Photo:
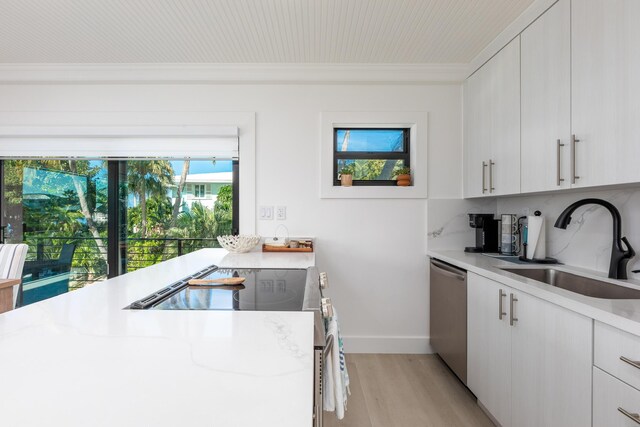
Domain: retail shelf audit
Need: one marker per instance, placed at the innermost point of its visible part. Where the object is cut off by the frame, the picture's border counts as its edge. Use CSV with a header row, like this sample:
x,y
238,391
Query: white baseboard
x,y
389,345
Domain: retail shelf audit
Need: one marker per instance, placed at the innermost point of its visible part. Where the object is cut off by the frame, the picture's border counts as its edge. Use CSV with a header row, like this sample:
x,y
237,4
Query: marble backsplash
x,y
448,223
585,243
587,240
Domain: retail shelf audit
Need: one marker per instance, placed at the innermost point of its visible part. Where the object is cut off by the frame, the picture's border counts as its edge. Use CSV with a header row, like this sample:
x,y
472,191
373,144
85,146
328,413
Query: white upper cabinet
x,y
492,125
559,106
605,75
504,167
476,133
546,101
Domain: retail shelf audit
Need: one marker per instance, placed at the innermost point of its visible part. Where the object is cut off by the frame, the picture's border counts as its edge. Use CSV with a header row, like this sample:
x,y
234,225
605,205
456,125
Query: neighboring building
x,y
201,187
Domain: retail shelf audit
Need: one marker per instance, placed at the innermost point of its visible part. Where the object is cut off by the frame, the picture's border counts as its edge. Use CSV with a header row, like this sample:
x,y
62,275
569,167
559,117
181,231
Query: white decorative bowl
x,y
238,244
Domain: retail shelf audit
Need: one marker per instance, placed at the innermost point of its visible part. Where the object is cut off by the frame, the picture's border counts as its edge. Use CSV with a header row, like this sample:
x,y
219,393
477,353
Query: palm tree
x,y
223,210
148,178
86,212
197,222
178,201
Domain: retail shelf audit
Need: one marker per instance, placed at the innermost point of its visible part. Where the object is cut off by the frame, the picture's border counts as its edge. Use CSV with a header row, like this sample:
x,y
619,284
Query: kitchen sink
x,y
578,284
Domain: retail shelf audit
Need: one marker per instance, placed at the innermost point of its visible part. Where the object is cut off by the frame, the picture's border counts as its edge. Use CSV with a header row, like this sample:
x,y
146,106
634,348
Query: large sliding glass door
x,y
175,207
85,220
59,209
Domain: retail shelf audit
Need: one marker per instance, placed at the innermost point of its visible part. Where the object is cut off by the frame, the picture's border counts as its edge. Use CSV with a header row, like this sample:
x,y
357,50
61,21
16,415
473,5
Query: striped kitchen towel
x,y
336,376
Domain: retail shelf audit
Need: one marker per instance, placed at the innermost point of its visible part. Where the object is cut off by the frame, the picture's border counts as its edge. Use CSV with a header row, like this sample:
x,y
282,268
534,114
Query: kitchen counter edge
x,y
621,314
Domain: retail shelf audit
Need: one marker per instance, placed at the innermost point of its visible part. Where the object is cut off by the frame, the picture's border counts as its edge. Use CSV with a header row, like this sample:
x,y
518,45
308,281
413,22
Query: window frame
x,y
404,155
196,193
117,210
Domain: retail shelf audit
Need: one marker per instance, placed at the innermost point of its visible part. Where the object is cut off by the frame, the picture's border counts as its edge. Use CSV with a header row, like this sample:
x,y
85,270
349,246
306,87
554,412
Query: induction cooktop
x,y
263,290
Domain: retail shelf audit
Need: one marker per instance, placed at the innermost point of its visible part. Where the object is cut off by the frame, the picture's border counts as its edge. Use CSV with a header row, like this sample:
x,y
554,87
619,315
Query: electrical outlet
x,y
265,213
281,213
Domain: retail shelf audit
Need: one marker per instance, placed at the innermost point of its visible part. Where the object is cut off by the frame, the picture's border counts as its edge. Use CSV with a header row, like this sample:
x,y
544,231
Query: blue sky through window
x,y
202,166
377,140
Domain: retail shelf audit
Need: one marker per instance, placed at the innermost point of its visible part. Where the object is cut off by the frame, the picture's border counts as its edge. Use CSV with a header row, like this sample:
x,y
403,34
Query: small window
x,y
198,190
375,154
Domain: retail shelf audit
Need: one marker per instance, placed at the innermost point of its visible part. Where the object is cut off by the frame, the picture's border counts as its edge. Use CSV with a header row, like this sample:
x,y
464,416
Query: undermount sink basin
x,y
578,284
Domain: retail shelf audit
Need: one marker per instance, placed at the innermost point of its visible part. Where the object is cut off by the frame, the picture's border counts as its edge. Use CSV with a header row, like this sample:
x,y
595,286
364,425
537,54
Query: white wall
x,y
373,250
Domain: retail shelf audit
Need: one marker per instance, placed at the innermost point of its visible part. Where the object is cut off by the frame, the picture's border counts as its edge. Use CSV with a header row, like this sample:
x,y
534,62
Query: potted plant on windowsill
x,y
346,175
403,176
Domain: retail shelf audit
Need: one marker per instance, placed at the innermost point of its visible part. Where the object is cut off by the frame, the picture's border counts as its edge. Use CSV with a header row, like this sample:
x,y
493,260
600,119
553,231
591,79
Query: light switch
x,y
265,213
281,213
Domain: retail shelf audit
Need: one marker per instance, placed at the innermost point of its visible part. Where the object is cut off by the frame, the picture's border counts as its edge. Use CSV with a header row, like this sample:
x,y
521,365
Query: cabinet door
x,y
504,173
605,95
546,96
551,350
609,394
476,134
489,346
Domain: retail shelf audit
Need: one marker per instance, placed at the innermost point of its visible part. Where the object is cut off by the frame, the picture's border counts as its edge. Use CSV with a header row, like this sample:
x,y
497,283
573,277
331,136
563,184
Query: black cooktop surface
x,y
263,290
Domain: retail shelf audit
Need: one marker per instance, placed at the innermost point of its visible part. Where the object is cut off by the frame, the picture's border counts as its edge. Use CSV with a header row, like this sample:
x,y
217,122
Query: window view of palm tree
x,y
372,154
60,209
175,207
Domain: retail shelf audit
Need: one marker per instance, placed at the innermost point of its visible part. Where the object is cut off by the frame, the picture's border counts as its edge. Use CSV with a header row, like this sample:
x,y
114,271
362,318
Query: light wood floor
x,y
406,390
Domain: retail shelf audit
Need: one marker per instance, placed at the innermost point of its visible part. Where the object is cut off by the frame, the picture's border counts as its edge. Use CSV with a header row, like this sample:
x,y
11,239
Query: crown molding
x,y
232,73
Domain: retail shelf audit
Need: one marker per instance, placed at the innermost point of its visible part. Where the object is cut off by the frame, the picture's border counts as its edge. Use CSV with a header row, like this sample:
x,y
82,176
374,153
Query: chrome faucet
x,y
619,256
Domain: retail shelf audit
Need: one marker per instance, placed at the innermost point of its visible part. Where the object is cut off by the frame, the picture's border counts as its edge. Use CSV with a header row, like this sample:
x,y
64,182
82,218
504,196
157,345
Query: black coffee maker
x,y
486,233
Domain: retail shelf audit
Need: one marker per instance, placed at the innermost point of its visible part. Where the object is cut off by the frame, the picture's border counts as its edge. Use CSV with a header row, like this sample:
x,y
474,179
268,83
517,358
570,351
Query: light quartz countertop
x,y
622,314
80,359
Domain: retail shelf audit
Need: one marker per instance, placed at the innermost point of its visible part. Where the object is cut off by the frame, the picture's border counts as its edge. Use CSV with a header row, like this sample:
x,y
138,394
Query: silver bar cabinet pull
x,y
630,415
634,363
559,179
484,168
500,308
491,164
573,159
512,318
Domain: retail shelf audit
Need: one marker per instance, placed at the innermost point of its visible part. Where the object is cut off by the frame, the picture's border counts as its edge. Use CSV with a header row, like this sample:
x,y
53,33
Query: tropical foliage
x,y
370,169
348,169
148,179
49,203
402,171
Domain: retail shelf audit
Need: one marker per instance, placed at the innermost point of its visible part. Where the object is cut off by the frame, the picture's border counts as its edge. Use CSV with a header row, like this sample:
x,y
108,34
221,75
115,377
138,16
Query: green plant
x,y
402,171
348,169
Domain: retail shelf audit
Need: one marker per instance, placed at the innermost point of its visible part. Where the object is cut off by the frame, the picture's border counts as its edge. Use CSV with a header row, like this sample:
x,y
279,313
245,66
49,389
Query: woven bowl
x,y
238,244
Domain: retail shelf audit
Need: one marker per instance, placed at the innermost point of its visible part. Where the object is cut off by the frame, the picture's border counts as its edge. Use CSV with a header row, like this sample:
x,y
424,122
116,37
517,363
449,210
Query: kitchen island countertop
x,y
80,359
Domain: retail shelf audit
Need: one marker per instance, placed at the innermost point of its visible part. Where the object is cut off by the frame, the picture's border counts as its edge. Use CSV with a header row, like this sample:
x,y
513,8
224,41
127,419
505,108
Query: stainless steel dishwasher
x,y
448,315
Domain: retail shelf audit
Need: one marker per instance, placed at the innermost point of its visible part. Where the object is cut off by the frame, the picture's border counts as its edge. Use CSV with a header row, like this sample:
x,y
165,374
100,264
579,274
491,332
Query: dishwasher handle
x,y
447,270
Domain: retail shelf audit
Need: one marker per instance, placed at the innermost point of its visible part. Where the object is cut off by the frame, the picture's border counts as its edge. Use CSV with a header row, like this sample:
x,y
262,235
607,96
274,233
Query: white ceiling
x,y
250,31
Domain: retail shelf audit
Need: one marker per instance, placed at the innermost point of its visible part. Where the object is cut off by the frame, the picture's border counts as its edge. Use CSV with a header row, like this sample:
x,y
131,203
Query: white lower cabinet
x,y
529,361
618,353
489,346
615,404
616,377
551,365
